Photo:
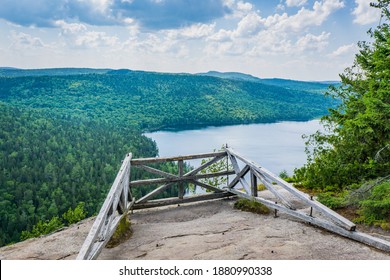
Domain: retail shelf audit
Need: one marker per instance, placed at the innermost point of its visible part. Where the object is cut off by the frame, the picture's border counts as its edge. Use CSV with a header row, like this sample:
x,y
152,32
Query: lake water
x,y
275,146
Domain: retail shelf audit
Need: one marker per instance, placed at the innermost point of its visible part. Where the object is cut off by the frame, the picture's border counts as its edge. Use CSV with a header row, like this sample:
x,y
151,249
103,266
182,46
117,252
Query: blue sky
x,y
295,39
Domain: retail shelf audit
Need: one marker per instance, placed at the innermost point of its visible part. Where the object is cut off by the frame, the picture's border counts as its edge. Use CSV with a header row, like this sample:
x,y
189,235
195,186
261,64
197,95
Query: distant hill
x,y
285,83
231,75
15,72
152,101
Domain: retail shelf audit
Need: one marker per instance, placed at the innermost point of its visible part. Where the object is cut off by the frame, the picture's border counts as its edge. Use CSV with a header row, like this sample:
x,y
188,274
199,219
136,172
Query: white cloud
x,y
239,8
280,7
250,25
70,28
313,42
25,41
364,14
305,17
244,7
195,31
344,50
292,3
276,34
94,39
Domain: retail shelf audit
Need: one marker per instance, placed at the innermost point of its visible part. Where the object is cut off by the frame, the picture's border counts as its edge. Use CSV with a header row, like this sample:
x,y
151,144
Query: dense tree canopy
x,y
153,101
356,145
64,132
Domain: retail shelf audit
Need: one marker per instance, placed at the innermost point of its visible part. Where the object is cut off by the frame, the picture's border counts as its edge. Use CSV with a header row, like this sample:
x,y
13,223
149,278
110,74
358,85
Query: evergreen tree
x,y
356,144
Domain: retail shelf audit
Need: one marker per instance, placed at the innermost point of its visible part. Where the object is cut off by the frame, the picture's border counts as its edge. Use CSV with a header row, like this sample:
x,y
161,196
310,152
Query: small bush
x,y
332,200
283,174
42,228
45,227
375,209
73,216
251,206
261,187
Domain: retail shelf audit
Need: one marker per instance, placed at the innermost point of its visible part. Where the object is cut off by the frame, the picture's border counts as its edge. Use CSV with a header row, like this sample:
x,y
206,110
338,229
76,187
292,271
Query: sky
x,y
293,39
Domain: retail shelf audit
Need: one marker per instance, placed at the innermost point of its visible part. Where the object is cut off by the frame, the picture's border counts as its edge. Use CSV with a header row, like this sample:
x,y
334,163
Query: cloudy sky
x,y
296,39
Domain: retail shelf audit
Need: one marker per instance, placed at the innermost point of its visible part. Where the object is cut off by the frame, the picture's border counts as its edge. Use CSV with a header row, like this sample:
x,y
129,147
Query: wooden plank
x,y
178,179
304,197
237,170
181,185
236,179
205,165
153,193
271,188
166,159
190,199
355,235
207,186
101,217
156,171
253,184
99,245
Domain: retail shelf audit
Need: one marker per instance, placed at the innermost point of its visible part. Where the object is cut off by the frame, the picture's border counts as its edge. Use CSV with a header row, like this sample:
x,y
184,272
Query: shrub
x,y
332,200
75,215
375,209
251,206
42,228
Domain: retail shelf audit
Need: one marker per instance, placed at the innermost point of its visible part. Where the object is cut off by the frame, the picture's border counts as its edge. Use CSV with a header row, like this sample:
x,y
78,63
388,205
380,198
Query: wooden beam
x,y
96,229
355,235
181,185
271,188
172,201
156,171
253,184
207,186
99,245
142,161
337,218
153,193
178,179
237,170
238,177
206,164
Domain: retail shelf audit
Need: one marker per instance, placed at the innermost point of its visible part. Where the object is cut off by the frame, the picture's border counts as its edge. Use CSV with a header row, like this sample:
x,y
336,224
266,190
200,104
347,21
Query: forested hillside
x,y
318,87
153,101
48,165
64,132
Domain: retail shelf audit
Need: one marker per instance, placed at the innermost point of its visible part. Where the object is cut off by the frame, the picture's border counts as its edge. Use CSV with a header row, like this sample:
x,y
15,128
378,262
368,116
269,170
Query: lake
x,y
275,146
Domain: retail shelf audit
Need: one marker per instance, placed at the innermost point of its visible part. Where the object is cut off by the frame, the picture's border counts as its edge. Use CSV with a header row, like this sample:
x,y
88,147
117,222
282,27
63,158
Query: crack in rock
x,y
196,234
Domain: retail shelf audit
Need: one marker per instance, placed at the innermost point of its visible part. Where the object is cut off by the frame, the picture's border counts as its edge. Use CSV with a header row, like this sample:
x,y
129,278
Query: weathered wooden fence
x,y
238,169
119,200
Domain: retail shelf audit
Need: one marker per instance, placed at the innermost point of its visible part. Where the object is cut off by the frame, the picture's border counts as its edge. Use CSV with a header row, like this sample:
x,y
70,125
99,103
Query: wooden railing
x,y
328,219
119,200
238,169
168,180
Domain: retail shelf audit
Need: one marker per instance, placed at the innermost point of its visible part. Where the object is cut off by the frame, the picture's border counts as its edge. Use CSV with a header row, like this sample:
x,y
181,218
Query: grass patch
x,y
261,187
251,206
122,233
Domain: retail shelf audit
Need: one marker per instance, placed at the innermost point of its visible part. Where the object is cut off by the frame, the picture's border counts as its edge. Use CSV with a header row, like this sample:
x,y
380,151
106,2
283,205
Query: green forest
x,y
349,164
154,101
64,132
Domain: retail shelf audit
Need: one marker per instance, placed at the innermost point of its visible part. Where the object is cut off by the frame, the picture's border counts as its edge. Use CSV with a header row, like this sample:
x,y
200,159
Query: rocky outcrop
x,y
207,230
